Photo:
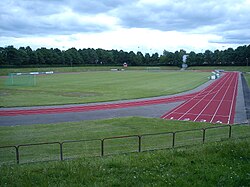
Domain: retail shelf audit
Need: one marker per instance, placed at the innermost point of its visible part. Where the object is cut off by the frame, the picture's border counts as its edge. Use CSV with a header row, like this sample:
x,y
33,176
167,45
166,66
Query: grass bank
x,y
11,135
100,129
215,164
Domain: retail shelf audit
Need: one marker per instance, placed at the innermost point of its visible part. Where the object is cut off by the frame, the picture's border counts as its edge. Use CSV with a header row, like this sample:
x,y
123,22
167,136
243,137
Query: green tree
x,y
3,60
208,56
140,58
132,58
147,59
229,56
155,59
75,57
12,56
23,56
191,59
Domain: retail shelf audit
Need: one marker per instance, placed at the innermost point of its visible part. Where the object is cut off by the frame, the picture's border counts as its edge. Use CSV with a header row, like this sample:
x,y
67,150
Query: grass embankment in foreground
x,y
215,164
100,129
12,135
88,87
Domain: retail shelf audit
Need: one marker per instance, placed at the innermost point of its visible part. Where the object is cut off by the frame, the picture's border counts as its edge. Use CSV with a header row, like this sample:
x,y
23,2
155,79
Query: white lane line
x,y
199,94
234,97
202,100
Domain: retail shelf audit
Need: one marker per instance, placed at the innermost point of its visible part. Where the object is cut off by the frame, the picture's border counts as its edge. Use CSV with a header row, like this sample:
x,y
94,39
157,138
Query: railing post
x,y
173,140
17,154
204,136
230,131
102,147
61,151
139,142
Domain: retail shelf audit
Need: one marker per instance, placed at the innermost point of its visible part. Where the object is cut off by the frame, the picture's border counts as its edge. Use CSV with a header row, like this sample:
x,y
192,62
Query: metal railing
x,y
119,144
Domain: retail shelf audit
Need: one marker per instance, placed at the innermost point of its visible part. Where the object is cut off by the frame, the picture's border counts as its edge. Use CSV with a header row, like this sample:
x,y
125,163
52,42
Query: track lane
x,y
226,95
95,106
190,104
216,104
213,104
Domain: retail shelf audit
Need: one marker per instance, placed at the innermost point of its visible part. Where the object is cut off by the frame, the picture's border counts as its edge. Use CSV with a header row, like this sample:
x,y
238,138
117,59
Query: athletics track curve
x,y
215,104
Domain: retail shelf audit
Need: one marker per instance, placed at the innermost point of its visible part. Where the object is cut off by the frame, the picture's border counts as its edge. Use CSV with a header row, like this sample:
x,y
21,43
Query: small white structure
x,y
213,77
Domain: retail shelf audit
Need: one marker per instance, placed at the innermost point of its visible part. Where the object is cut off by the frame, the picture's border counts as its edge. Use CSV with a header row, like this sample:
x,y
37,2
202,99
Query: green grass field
x,y
97,86
6,71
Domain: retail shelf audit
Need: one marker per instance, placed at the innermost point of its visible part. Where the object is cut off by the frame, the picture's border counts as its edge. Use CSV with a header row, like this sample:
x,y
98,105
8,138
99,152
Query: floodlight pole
x,y
247,61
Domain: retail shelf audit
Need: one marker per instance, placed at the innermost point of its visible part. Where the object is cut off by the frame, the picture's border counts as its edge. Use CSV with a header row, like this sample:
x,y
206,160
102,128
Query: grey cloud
x,y
226,18
96,6
229,19
43,17
234,37
181,16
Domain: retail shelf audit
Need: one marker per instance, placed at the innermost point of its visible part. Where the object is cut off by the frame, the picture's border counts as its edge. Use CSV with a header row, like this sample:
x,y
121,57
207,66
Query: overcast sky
x,y
138,25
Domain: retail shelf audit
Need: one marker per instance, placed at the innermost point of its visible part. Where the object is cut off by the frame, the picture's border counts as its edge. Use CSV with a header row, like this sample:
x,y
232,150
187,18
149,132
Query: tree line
x,y
25,56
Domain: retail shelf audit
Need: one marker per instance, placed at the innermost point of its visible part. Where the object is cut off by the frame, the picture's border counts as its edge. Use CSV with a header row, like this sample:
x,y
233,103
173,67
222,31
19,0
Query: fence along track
x,y
70,149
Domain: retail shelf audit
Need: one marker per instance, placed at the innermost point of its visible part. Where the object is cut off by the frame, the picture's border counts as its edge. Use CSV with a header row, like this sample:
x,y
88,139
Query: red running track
x,y
214,104
92,107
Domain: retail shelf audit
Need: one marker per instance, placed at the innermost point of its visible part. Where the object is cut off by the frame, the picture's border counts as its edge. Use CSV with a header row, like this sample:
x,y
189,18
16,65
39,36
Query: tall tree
x,y
208,56
3,60
191,59
155,59
12,56
140,58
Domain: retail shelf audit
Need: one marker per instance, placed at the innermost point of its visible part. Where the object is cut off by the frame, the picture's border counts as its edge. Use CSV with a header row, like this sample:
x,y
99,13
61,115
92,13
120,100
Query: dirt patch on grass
x,y
80,94
3,93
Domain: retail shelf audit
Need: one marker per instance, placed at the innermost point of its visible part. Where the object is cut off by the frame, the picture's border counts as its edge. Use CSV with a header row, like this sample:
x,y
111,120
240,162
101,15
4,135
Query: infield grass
x,y
6,71
86,87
